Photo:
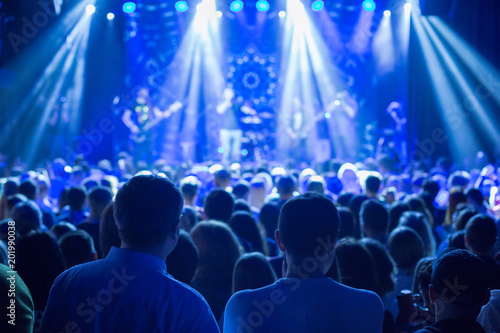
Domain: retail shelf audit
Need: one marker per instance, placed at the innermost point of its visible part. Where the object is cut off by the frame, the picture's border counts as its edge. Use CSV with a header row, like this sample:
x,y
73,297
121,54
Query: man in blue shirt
x,y
305,300
130,290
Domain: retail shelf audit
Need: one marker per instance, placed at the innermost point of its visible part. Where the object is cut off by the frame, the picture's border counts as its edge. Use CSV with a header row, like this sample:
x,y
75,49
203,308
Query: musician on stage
x,y
230,132
142,119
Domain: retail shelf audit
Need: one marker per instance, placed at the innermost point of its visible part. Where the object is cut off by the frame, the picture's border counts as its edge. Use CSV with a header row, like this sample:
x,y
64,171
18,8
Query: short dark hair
x,y
28,188
306,219
463,217
241,189
268,217
147,210
77,247
100,196
473,194
465,269
189,187
374,216
406,248
372,183
252,271
242,205
108,232
27,216
481,232
76,198
286,184
60,229
346,223
219,205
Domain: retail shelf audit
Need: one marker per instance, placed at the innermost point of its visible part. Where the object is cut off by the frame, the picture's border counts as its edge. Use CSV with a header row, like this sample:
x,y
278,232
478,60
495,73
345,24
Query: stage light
x,y
407,7
90,9
181,6
369,5
318,5
128,7
262,5
244,152
236,6
387,13
220,150
328,115
110,16
282,14
219,14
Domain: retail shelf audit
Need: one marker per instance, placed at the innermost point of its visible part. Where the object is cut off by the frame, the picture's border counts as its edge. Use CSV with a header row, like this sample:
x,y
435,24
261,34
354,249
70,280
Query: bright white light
x,y
219,14
387,13
282,14
407,7
198,7
110,16
90,9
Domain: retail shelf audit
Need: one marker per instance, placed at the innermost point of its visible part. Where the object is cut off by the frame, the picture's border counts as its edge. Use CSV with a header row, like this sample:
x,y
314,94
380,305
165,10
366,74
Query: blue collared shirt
x,y
128,291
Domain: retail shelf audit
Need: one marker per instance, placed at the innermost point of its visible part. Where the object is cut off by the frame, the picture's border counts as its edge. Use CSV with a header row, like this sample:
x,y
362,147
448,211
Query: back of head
x,y
39,261
316,184
384,266
183,260
10,187
28,189
374,218
252,271
346,223
189,218
422,279
108,232
306,222
219,205
242,205
218,250
465,271
418,222
147,211
372,184
77,247
406,248
27,216
241,190
222,178
397,209
286,185
11,201
268,217
60,229
431,187
76,198
481,234
99,198
189,187
463,217
244,226
475,196
355,265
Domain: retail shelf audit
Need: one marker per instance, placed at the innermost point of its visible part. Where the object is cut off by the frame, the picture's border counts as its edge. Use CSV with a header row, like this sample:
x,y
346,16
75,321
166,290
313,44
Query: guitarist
x,y
141,119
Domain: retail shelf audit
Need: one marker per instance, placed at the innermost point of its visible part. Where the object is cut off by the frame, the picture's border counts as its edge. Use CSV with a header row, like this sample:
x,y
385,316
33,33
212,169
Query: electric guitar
x,y
142,135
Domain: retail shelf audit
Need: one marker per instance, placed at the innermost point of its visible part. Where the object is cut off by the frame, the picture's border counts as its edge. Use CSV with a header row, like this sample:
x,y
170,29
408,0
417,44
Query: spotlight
x,y
220,150
318,5
128,7
262,5
219,14
236,6
90,9
181,6
407,7
282,13
387,13
110,16
369,5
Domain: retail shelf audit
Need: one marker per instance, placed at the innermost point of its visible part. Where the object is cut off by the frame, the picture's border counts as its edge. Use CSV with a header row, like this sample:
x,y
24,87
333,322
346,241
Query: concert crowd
x,y
357,247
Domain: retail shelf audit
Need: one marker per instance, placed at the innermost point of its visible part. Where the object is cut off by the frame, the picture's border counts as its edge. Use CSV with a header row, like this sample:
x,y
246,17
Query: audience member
x,y
219,205
244,226
418,222
307,230
374,219
75,211
108,232
183,260
77,247
252,271
141,295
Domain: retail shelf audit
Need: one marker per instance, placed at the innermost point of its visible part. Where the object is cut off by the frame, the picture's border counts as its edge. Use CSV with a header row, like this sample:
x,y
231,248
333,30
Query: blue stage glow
x,y
262,5
181,6
128,7
369,5
318,5
236,6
